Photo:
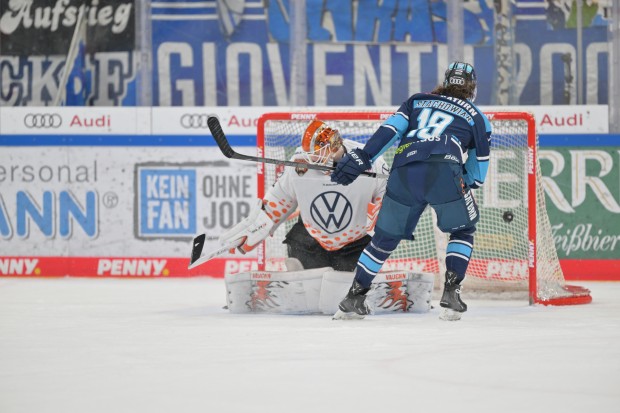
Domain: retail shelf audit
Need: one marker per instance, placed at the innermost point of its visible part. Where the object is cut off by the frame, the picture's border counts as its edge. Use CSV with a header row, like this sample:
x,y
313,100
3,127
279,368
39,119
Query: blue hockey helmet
x,y
461,74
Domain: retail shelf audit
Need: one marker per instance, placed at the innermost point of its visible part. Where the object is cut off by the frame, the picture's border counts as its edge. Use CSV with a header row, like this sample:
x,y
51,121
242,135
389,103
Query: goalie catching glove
x,y
351,166
247,234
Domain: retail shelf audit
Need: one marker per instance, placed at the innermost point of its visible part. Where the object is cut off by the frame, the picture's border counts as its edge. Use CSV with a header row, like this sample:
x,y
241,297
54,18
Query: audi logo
x,y
42,120
457,81
194,121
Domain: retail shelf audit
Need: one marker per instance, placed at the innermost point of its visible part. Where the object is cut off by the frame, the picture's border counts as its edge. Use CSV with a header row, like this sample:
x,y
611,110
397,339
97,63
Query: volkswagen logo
x,y
42,120
331,211
194,121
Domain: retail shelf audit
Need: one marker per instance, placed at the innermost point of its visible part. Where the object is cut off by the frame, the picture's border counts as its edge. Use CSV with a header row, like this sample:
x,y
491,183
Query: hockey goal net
x,y
514,251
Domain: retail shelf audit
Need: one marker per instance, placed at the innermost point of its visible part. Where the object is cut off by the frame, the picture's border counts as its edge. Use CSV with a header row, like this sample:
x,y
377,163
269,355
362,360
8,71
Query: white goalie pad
x,y
275,292
390,292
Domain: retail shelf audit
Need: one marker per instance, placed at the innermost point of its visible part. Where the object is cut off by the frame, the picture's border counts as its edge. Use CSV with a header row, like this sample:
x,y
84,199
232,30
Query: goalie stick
x,y
222,142
199,258
198,243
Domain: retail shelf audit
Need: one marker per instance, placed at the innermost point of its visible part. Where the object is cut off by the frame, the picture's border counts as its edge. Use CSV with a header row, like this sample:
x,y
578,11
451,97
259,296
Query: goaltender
x,y
334,220
335,225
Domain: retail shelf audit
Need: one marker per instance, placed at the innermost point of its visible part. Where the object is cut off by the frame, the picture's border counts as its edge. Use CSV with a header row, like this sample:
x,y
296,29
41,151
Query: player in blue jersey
x,y
435,132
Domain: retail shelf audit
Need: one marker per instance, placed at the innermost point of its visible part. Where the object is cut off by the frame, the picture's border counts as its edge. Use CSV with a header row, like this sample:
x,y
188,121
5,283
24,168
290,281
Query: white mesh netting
x,y
500,265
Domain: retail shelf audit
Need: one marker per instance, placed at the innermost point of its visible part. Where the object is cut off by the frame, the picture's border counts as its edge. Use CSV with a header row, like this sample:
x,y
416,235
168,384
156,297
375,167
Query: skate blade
x,y
448,314
341,315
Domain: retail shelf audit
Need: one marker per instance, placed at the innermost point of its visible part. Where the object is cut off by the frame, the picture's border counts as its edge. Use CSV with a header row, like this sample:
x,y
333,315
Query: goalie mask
x,y
320,142
462,74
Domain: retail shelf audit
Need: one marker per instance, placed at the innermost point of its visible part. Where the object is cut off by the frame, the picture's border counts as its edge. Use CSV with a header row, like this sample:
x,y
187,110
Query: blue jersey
x,y
428,124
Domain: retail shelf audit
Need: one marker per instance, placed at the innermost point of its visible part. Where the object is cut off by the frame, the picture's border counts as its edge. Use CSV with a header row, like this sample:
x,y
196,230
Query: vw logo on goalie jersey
x,y
332,211
194,121
42,120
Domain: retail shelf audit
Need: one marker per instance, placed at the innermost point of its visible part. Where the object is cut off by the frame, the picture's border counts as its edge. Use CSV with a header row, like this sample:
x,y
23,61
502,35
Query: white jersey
x,y
334,215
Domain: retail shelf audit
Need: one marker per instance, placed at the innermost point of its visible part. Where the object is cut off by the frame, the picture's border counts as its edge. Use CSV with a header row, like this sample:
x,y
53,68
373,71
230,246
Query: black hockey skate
x,y
453,306
353,306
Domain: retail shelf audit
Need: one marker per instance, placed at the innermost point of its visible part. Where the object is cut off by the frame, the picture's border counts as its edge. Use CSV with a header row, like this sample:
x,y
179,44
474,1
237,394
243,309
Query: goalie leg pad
x,y
420,289
390,292
275,292
335,286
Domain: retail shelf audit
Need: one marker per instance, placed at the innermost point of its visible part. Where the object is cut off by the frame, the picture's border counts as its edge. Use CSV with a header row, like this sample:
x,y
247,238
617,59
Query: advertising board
x,y
121,192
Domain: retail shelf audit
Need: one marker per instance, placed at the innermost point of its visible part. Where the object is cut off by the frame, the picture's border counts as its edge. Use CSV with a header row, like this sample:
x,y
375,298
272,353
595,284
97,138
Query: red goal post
x,y
514,252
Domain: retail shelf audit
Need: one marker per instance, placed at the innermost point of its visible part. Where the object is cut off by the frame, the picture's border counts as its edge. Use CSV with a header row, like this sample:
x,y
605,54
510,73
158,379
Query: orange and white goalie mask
x,y
320,143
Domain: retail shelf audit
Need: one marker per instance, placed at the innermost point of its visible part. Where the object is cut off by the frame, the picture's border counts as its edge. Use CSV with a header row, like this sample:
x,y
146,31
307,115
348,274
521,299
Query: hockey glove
x,y
468,180
351,166
247,234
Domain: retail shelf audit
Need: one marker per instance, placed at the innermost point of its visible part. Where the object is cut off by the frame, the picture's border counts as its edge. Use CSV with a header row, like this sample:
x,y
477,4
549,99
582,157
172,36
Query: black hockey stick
x,y
222,142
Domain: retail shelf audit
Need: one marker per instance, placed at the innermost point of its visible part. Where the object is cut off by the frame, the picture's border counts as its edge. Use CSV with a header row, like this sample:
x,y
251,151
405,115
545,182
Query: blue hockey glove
x,y
351,166
469,181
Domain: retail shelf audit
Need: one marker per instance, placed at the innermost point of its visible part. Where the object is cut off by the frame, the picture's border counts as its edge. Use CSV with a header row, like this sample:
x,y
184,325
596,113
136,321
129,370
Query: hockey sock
x,y
458,253
372,258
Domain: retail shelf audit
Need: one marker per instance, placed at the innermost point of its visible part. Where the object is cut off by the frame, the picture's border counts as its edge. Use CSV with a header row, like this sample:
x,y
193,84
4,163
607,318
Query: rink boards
x,y
121,192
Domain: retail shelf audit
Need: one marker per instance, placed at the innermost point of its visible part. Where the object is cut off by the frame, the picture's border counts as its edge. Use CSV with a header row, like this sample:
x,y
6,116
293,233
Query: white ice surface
x,y
167,345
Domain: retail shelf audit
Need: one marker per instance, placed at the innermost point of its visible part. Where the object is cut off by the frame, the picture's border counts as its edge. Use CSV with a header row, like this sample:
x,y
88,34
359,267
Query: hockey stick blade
x,y
222,142
198,258
197,246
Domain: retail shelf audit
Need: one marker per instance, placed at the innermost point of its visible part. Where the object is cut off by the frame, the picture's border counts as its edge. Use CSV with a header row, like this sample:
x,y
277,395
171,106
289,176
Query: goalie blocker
x,y
318,291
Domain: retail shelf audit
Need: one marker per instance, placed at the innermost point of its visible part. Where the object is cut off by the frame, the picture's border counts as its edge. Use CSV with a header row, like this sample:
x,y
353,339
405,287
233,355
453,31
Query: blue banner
x,y
237,53
208,53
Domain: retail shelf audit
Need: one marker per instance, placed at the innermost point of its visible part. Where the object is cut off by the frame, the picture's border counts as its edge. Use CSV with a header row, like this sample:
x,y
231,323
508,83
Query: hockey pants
x,y
410,189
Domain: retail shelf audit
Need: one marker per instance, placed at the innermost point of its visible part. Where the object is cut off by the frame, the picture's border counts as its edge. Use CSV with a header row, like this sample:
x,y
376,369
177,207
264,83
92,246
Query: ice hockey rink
x,y
168,345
